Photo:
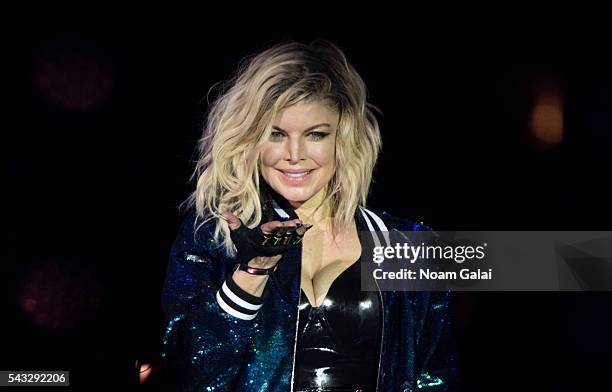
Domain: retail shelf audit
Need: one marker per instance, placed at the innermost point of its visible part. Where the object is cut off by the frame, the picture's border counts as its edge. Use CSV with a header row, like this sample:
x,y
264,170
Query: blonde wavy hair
x,y
240,121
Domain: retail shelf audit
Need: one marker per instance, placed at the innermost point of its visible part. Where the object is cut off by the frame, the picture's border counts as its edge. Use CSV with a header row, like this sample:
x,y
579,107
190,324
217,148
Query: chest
x,y
324,258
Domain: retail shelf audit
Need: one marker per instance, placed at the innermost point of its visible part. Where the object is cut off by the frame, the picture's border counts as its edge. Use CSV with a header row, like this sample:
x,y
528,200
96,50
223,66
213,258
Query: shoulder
x,y
196,233
396,223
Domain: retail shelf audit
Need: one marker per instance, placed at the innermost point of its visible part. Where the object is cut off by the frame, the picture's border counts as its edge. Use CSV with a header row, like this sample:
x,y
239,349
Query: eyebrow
x,y
306,130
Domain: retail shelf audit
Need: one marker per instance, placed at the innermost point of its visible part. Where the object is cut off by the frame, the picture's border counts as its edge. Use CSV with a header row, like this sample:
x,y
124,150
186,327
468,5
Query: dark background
x,y
102,124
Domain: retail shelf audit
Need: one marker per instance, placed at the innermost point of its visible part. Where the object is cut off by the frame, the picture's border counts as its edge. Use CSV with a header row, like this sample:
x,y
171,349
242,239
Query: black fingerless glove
x,y
251,243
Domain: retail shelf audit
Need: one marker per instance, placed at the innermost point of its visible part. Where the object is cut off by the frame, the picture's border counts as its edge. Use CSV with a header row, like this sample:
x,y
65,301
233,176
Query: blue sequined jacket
x,y
217,340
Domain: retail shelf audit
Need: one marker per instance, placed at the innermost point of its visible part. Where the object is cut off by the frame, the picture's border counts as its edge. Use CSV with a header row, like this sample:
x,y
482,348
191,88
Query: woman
x,y
263,286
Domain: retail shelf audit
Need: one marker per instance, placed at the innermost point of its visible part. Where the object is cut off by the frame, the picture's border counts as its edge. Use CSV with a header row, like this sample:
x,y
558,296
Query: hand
x,y
263,246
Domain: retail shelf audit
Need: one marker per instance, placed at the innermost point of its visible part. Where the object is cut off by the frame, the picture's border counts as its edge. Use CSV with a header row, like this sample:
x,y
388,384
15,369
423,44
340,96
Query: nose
x,y
295,150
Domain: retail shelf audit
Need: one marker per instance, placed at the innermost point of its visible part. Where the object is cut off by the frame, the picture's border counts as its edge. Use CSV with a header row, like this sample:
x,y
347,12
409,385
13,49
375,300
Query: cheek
x,y
270,155
323,154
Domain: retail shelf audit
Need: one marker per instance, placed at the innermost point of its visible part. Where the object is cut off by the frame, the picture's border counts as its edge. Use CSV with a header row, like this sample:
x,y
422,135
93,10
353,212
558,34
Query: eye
x,y
276,135
316,135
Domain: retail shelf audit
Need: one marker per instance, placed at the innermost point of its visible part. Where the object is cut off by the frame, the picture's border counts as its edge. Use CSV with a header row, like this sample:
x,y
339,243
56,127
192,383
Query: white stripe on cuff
x,y
233,311
237,300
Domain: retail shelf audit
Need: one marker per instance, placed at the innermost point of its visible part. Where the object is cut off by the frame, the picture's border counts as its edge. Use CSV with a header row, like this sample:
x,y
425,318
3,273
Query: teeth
x,y
297,174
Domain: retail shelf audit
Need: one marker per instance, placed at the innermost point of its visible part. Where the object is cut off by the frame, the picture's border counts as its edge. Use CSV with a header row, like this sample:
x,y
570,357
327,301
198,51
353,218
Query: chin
x,y
294,195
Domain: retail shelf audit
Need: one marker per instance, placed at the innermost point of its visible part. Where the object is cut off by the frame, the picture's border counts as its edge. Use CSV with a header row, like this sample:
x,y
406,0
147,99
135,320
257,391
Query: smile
x,y
295,177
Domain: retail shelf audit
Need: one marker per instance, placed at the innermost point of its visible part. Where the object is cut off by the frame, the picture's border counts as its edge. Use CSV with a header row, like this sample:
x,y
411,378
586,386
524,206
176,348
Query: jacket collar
x,y
287,277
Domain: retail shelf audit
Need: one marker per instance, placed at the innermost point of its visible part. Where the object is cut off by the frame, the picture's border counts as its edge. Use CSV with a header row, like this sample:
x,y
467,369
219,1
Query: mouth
x,y
295,177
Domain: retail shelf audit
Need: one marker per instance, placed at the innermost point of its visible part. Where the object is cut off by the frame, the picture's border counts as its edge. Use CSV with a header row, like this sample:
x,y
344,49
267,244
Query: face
x,y
299,158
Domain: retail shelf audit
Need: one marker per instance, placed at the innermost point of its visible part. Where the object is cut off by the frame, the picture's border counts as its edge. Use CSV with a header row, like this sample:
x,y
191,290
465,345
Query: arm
x,y
436,365
208,318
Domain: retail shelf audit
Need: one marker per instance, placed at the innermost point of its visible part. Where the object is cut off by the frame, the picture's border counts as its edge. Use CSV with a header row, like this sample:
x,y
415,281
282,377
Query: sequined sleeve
x,y
436,360
203,344
436,357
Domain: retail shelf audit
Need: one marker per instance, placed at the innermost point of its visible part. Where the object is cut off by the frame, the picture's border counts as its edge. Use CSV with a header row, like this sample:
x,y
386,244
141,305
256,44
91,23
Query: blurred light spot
x,y
57,296
73,74
144,370
547,114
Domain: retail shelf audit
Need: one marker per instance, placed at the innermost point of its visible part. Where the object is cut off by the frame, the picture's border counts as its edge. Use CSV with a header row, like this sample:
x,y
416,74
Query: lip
x,y
294,170
295,180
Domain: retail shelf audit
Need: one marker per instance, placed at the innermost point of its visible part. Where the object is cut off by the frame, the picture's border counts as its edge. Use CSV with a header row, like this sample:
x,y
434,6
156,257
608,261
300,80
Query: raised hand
x,y
263,246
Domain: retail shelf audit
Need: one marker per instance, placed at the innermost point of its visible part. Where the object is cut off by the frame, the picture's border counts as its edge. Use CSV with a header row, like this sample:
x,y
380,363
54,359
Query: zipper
x,y
297,324
382,333
372,231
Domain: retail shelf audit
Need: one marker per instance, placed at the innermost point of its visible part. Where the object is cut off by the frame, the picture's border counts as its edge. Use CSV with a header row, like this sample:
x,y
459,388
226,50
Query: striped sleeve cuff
x,y
237,302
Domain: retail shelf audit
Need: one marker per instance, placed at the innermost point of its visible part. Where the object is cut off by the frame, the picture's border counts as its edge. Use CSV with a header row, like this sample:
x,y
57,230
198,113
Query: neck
x,y
311,211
